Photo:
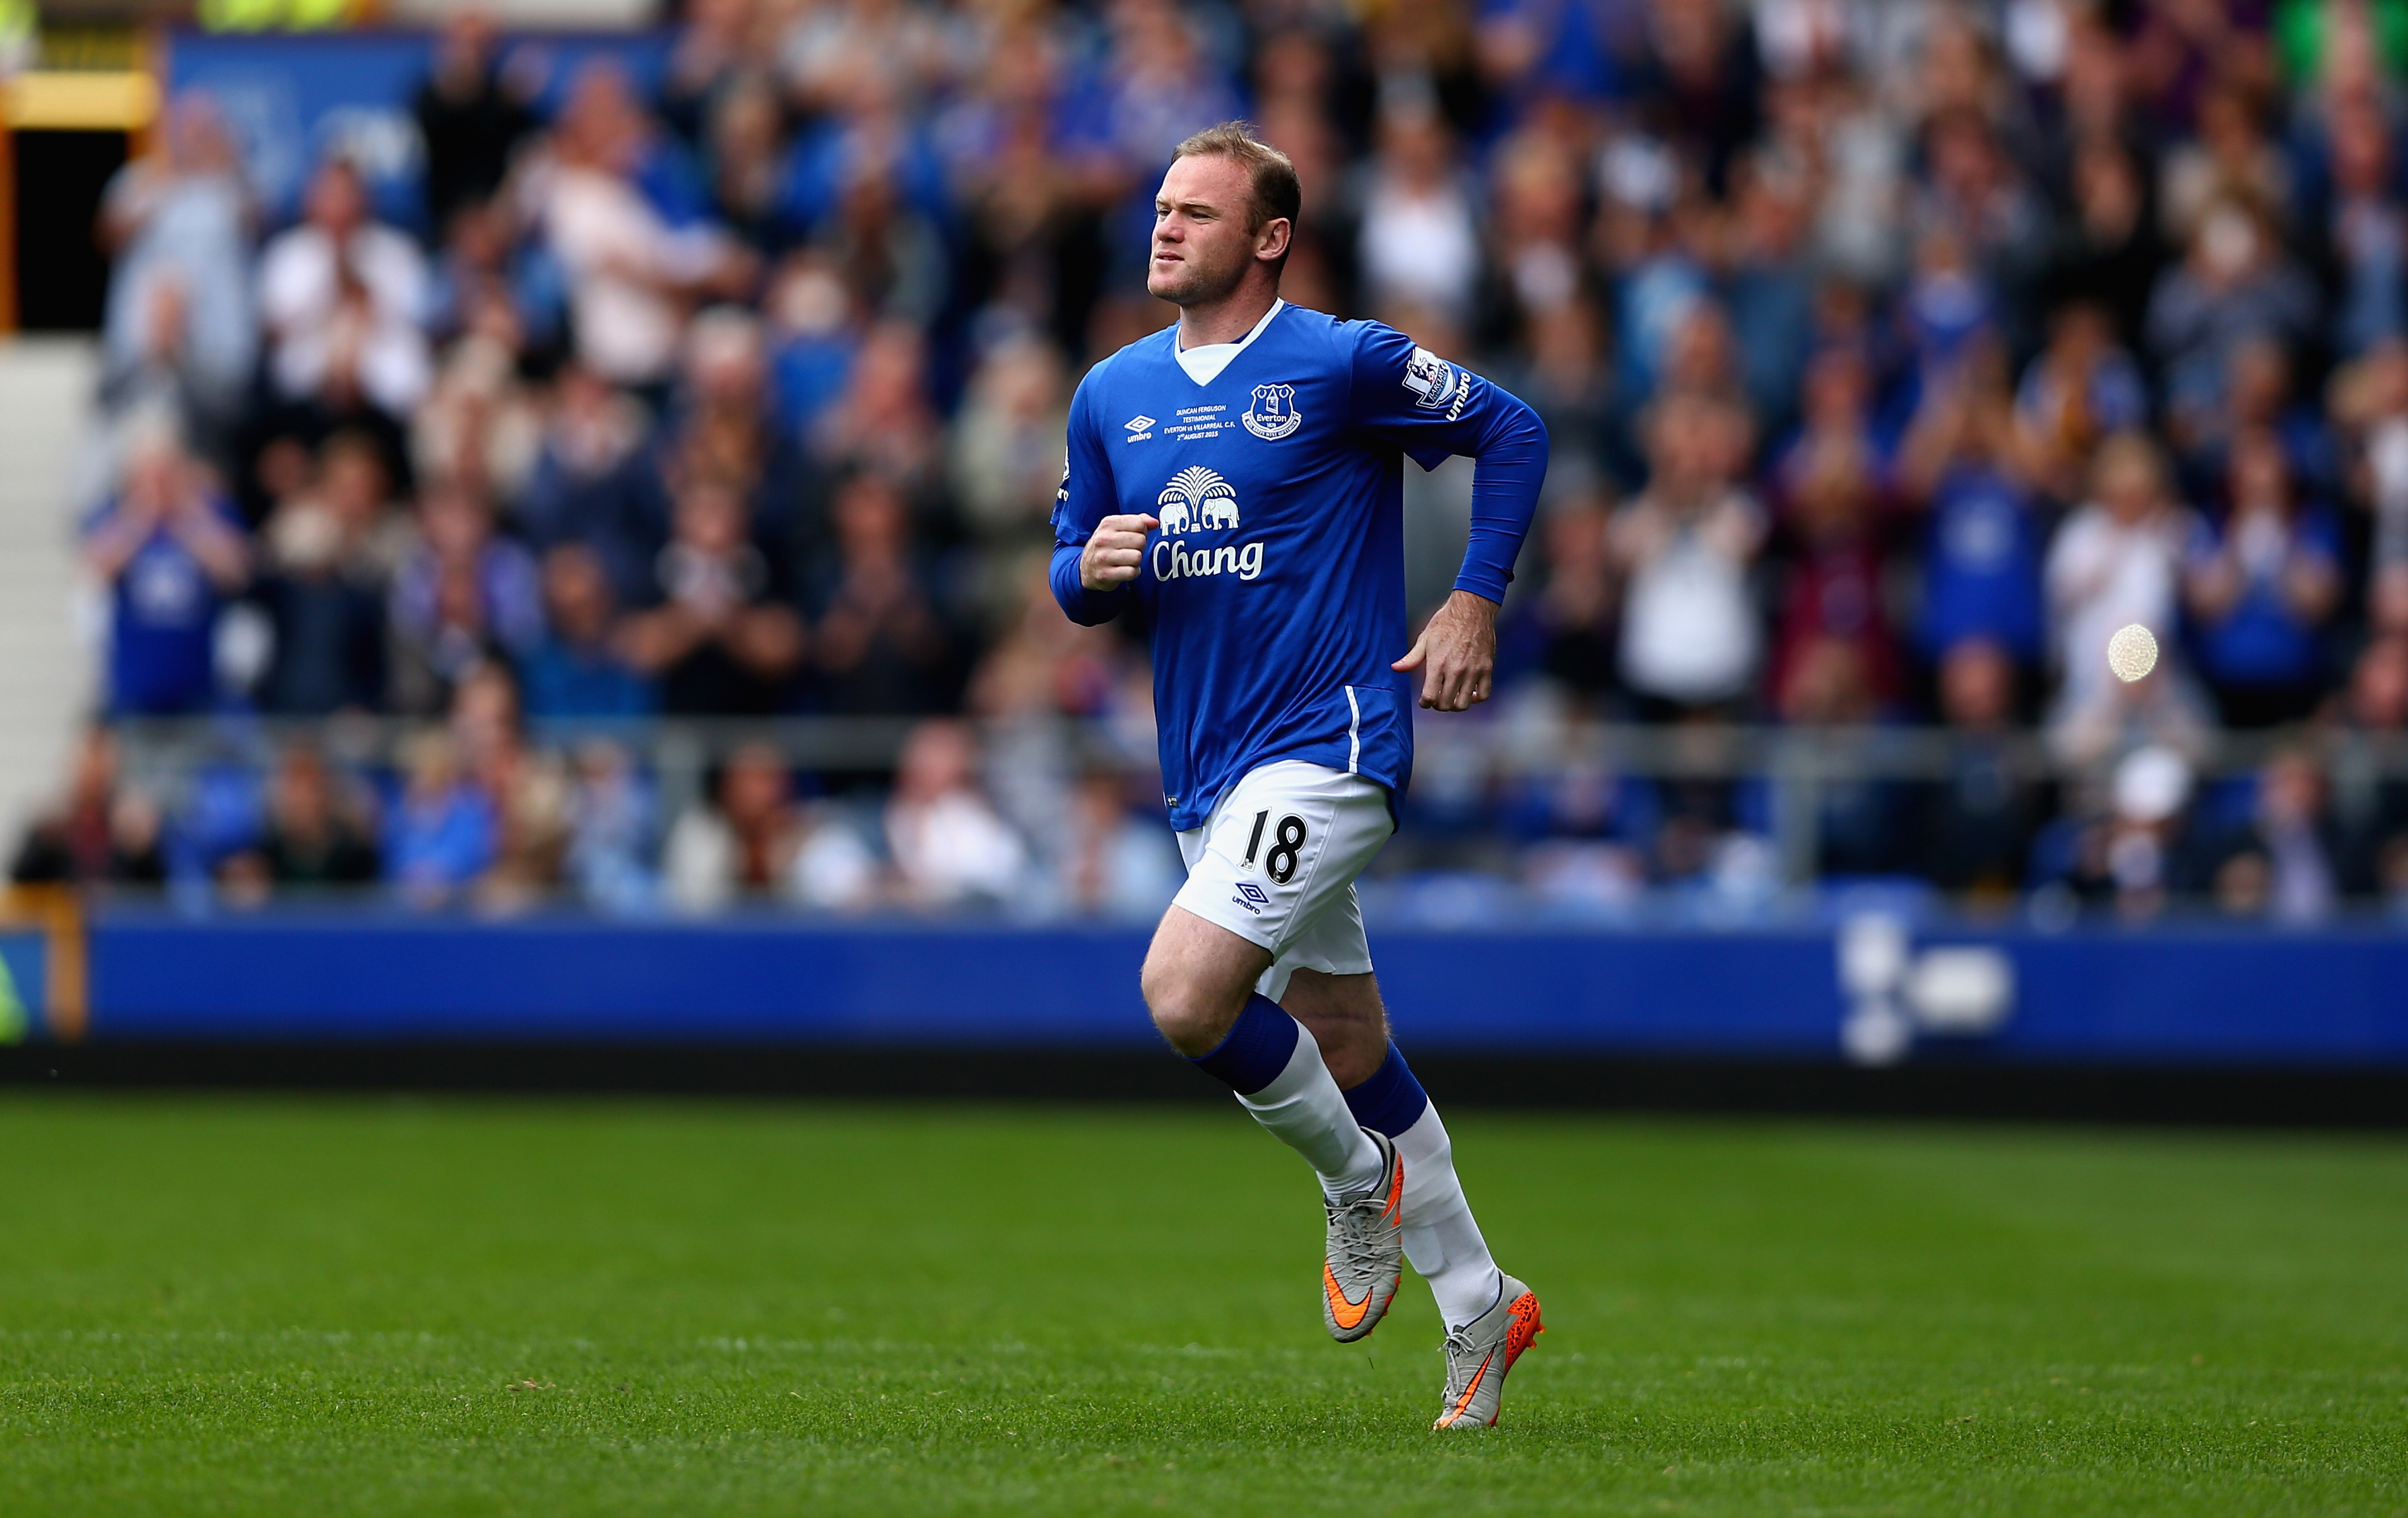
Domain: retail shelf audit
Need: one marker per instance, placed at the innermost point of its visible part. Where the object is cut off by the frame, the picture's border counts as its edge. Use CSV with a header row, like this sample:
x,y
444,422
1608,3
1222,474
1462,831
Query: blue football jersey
x,y
1274,588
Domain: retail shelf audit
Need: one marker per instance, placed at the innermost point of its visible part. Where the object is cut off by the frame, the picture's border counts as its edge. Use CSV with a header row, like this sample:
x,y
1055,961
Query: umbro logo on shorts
x,y
1251,897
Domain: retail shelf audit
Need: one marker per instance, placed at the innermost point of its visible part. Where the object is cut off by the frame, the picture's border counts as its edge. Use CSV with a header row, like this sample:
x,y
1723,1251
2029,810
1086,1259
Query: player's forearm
x,y
1080,605
1511,465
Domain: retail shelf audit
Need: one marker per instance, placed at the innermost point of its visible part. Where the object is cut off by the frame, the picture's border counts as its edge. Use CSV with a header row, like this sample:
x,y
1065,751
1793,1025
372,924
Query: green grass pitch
x,y
229,1306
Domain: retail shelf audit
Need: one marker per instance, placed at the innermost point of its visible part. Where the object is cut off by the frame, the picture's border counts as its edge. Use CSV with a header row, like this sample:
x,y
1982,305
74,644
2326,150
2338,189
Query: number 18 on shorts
x,y
1276,866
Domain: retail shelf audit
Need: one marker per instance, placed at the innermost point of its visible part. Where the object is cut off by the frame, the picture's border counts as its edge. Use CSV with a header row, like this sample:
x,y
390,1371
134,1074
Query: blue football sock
x,y
1257,1049
1391,1101
1277,1072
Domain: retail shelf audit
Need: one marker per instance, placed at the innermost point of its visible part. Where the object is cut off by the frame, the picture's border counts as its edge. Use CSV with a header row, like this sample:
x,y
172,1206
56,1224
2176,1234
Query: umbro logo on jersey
x,y
1139,427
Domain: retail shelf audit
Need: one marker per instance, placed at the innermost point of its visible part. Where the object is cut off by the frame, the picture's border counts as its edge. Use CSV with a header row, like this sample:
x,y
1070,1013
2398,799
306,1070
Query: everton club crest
x,y
1271,414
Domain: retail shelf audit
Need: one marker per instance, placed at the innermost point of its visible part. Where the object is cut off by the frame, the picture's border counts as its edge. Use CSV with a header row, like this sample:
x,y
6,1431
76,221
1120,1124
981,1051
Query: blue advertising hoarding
x,y
2165,997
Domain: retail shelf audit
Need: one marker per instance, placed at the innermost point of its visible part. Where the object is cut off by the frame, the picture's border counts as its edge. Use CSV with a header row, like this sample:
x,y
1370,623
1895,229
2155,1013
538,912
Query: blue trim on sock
x,y
1392,1100
1258,1049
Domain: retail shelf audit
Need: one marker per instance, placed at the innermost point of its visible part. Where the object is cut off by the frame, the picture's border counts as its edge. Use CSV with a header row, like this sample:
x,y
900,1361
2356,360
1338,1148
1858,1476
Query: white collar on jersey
x,y
1204,365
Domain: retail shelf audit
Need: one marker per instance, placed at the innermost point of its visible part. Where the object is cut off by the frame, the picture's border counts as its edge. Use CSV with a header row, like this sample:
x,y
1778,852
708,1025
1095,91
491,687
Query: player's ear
x,y
1272,241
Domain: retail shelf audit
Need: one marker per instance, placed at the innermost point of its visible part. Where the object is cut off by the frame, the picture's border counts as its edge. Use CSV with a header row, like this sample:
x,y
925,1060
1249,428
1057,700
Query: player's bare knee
x,y
1187,1016
1190,1026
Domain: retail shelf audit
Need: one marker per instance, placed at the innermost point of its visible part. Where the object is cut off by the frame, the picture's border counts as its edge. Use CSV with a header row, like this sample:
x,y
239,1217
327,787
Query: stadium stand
x,y
610,471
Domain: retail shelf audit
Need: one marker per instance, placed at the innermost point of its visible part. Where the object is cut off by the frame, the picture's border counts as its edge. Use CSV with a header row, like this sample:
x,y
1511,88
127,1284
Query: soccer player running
x,y
1237,483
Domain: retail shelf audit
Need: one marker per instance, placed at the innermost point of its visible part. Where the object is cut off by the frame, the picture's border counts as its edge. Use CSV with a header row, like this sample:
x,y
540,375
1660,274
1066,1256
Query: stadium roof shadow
x,y
1927,1089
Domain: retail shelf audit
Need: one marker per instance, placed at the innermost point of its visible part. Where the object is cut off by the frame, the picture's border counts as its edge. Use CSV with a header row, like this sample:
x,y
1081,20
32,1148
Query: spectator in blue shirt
x,y
1159,84
467,596
2238,283
1771,284
2259,588
443,833
578,670
1537,49
814,335
584,483
171,551
2365,232
1981,556
870,138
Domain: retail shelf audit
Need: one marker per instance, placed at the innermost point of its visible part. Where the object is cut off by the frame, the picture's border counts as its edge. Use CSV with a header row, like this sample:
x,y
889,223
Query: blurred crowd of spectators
x,y
1895,355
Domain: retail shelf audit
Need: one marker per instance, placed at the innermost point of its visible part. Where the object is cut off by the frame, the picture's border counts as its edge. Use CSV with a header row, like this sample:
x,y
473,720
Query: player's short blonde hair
x,y
1278,192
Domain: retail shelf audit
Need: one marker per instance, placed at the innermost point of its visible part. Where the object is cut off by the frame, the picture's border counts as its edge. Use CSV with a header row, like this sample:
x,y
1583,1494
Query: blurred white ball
x,y
2132,652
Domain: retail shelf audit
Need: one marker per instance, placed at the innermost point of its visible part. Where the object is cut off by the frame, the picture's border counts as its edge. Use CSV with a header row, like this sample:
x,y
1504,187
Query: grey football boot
x,y
1365,1255
1479,1354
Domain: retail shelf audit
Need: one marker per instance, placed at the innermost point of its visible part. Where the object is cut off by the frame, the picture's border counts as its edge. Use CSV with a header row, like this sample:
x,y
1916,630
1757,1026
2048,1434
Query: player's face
x,y
1203,241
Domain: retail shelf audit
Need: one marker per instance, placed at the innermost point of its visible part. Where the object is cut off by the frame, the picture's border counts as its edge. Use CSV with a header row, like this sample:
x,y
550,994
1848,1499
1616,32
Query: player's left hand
x,y
1456,654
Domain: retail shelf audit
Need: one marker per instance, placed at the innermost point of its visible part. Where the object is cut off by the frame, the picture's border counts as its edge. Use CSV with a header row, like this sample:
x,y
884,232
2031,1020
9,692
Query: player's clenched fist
x,y
1112,556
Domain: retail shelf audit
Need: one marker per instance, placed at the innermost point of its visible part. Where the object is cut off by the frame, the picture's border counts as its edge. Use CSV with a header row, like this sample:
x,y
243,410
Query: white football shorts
x,y
1276,865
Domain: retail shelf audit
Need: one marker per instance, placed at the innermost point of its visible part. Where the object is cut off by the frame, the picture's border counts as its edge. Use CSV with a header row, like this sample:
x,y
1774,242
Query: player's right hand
x,y
1112,556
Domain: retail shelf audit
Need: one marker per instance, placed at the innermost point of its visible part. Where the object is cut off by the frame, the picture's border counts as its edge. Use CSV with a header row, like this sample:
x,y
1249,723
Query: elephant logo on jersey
x,y
1272,415
1196,498
1434,382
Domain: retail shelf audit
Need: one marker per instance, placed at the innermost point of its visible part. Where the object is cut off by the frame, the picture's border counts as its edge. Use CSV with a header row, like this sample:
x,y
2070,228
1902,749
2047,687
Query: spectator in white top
x,y
179,321
949,845
827,49
2370,400
1420,243
1690,638
632,276
2117,562
344,298
757,844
